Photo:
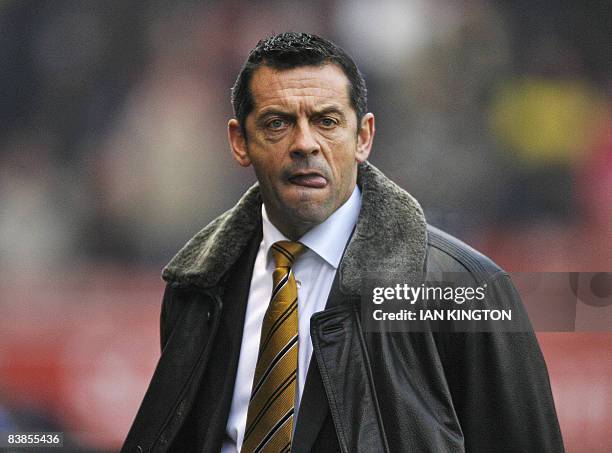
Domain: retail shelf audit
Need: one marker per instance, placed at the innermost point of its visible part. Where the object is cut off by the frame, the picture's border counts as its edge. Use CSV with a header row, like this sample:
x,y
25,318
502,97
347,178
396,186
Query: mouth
x,y
307,178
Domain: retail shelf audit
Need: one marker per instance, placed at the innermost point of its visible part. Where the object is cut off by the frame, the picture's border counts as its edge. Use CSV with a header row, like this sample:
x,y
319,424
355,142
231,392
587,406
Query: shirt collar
x,y
328,239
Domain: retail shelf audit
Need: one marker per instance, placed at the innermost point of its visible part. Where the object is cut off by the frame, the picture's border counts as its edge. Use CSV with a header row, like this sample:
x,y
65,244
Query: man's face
x,y
303,142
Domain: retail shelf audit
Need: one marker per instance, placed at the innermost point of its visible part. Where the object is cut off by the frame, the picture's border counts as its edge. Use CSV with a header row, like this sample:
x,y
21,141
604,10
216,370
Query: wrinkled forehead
x,y
305,87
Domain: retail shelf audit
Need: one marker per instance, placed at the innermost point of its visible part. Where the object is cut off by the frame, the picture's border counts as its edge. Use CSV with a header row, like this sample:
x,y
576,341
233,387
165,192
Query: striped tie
x,y
269,425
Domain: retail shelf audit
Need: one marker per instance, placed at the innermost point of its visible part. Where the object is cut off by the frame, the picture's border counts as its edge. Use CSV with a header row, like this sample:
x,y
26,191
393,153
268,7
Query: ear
x,y
237,143
365,137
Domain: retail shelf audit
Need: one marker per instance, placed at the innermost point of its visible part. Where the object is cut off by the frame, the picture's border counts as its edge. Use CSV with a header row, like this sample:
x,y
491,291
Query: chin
x,y
310,214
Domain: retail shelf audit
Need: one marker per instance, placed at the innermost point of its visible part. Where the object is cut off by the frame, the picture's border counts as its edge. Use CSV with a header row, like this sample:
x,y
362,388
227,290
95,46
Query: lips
x,y
308,179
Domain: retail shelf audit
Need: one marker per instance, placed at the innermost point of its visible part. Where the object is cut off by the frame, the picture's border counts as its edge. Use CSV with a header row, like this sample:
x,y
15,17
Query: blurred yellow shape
x,y
546,121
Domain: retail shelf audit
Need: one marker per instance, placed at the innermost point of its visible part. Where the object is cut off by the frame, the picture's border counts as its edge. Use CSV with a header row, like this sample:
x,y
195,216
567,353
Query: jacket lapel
x,y
342,358
314,408
222,376
313,411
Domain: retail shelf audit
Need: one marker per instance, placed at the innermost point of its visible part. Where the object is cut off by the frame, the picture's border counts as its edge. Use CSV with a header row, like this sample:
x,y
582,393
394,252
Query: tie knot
x,y
286,252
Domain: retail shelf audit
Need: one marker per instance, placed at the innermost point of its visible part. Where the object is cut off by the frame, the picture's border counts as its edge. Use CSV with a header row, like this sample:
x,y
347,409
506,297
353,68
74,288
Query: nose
x,y
304,142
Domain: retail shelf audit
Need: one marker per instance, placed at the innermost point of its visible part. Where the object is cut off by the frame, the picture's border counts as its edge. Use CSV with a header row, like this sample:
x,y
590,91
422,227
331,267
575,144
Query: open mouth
x,y
308,179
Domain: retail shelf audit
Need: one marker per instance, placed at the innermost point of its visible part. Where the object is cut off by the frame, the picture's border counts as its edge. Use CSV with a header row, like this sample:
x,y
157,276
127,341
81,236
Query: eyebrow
x,y
328,110
319,112
273,112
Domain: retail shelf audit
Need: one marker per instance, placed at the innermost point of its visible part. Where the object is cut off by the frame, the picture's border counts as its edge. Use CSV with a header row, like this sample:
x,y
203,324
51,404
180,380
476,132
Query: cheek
x,y
343,160
267,171
267,157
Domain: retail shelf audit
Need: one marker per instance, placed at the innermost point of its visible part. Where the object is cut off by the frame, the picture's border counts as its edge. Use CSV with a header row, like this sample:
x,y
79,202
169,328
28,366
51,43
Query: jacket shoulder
x,y
446,253
210,253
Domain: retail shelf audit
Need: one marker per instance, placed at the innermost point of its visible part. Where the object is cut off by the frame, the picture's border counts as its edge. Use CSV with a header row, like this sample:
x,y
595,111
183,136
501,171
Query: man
x,y
263,348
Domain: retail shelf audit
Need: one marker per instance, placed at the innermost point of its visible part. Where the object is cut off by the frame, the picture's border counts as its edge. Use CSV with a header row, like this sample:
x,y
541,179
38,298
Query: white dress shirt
x,y
314,273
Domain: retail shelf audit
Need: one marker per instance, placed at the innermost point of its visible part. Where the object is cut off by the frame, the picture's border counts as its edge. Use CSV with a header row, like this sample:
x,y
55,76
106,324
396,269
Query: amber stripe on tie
x,y
270,416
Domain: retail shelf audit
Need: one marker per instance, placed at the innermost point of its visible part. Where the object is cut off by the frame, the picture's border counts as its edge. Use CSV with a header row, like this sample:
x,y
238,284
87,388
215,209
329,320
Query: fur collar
x,y
390,235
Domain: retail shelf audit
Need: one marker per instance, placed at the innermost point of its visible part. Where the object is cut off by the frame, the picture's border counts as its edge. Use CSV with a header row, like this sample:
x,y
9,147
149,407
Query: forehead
x,y
302,88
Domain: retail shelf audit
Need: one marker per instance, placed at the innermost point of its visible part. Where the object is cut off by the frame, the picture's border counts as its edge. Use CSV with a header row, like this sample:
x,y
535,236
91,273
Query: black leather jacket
x,y
384,392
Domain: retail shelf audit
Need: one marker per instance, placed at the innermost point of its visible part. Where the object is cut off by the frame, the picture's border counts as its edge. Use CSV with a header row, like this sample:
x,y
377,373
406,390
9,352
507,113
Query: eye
x,y
327,122
275,124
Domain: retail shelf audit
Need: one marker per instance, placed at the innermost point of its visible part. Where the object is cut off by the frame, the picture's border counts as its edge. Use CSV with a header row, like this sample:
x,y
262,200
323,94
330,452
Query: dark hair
x,y
291,50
